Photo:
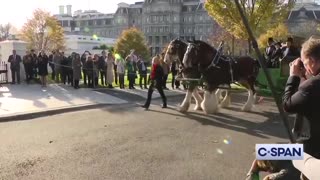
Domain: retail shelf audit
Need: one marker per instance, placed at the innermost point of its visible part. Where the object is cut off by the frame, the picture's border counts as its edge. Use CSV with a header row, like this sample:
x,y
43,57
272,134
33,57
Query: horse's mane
x,y
205,45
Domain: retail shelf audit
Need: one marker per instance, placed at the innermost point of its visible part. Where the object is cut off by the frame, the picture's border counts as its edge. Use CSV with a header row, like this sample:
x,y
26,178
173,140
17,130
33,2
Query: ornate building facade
x,y
160,20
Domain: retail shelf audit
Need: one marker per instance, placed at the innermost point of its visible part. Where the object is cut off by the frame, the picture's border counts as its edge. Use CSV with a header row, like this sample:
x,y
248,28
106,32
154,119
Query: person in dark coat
x,y
15,61
64,68
84,66
174,71
90,71
102,67
43,60
276,56
27,62
270,49
76,67
290,50
303,98
69,69
156,77
34,59
142,68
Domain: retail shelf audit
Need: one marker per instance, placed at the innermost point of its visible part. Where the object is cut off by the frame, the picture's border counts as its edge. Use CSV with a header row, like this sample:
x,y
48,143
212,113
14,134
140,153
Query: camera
x,y
301,65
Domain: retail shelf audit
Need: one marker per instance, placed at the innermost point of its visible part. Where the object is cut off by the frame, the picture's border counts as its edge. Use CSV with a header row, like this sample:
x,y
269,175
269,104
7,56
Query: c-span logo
x,y
279,151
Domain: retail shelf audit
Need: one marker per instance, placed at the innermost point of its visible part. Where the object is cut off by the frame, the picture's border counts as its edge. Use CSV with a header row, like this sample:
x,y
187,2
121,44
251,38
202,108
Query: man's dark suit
x,y
15,61
304,100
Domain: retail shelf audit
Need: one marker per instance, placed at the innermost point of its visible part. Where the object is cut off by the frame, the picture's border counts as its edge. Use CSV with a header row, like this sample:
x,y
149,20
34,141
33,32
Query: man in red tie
x,y
15,61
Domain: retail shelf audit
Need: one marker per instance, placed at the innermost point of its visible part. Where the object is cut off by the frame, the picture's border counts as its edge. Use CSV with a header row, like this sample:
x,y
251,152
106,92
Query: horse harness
x,y
218,57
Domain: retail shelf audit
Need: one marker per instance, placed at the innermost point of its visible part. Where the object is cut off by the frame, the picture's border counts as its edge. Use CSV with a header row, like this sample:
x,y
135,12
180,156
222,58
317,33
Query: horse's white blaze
x,y
210,103
249,104
219,94
226,100
186,102
185,57
198,99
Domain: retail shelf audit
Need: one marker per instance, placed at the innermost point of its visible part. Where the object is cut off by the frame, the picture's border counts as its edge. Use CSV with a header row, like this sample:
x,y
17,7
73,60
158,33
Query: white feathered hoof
x,y
249,104
246,108
210,103
184,108
198,108
225,102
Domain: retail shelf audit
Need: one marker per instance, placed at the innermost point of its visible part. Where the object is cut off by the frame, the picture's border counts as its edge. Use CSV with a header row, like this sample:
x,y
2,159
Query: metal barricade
x,y
3,73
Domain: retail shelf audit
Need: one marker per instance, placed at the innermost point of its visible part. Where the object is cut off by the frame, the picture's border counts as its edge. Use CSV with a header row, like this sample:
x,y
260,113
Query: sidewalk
x,y
17,100
24,101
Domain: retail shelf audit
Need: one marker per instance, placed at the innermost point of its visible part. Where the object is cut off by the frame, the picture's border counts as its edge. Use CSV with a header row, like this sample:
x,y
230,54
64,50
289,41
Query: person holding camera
x,y
304,98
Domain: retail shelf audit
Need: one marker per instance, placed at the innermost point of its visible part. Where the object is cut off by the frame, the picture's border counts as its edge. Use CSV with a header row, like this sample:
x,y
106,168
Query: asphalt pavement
x,y
126,142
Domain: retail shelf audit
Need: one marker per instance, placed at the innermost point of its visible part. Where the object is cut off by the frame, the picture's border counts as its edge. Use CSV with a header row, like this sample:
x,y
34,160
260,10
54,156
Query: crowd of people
x,y
276,51
108,67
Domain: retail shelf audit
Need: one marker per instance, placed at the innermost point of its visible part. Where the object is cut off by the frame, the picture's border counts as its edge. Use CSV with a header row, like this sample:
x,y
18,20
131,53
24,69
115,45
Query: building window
x,y
200,17
157,50
190,18
90,22
99,22
200,29
161,29
160,18
150,39
175,18
175,30
164,40
157,40
189,30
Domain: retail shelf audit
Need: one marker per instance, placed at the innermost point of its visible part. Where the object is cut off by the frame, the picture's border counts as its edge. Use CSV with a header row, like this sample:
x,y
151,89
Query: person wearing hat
x,y
270,49
276,55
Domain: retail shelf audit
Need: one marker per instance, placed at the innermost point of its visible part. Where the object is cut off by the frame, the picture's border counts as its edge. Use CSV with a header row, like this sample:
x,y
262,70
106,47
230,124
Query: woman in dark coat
x,y
76,67
43,68
156,77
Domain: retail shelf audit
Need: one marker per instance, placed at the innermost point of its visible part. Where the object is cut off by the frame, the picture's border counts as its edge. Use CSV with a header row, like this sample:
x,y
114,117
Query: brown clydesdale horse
x,y
222,71
175,52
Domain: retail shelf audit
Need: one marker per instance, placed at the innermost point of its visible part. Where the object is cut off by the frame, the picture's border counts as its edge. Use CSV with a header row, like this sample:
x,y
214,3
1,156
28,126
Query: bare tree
x,y
5,31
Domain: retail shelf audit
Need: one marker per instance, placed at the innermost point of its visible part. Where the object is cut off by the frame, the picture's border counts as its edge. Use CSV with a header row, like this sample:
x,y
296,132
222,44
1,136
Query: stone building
x,y
303,20
160,20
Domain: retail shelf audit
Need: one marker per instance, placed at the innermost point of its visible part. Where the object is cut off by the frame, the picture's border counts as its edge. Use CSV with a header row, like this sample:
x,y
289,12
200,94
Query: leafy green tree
x,y
43,32
261,14
132,38
279,32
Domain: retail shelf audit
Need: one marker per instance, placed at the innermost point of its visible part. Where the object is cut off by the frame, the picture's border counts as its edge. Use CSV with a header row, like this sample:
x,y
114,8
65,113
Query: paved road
x,y
126,142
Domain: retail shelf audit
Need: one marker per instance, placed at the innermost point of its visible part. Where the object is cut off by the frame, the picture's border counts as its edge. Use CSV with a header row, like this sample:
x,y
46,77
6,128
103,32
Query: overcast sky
x,y
16,12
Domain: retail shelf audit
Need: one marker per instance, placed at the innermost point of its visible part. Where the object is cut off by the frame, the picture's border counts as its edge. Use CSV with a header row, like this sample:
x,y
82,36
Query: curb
x,y
50,112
